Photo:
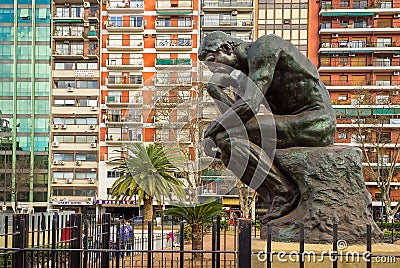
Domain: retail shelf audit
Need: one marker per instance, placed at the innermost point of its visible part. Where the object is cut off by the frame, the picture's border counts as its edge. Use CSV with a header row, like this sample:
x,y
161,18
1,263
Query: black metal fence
x,y
74,241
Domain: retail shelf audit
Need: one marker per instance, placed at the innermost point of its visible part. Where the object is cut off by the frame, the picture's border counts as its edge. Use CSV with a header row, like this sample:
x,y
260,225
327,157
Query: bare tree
x,y
372,117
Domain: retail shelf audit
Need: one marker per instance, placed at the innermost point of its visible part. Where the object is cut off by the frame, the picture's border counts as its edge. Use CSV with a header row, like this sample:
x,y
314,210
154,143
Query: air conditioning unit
x,y
234,13
62,163
63,126
93,108
92,127
86,24
66,4
396,73
78,163
103,107
70,89
56,162
396,55
65,199
91,180
54,180
55,126
352,55
376,16
55,144
395,93
335,35
93,145
86,4
55,199
53,210
90,199
68,180
396,16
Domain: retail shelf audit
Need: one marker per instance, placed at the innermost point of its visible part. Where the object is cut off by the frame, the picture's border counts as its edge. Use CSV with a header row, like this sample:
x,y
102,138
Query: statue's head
x,y
218,47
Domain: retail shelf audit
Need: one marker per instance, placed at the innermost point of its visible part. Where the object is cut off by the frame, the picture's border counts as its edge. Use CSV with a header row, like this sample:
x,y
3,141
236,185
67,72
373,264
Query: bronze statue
x,y
288,84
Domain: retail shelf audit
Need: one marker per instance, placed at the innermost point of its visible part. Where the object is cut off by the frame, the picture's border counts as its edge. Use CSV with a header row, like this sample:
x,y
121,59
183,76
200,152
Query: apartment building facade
x,y
24,104
75,37
148,56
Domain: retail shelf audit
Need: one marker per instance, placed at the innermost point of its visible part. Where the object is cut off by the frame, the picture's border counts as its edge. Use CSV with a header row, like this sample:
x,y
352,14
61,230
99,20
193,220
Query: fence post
x,y
369,246
269,245
334,245
85,242
213,243
19,240
244,250
301,265
105,238
149,242
181,244
76,240
54,226
218,246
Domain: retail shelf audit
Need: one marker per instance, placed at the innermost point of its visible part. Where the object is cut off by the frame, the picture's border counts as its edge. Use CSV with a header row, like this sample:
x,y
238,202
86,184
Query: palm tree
x,y
196,215
147,172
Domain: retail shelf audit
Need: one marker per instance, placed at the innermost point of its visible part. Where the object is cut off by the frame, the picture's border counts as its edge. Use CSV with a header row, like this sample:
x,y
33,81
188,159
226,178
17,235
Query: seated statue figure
x,y
288,85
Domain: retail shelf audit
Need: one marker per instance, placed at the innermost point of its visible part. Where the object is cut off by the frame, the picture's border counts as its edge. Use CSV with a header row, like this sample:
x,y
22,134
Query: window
x,y
384,42
116,21
382,61
385,137
356,138
384,158
114,174
344,3
342,136
382,99
342,97
344,22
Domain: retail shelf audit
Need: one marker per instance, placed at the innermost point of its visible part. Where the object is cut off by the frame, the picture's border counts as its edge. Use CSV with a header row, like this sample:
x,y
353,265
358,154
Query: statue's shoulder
x,y
265,46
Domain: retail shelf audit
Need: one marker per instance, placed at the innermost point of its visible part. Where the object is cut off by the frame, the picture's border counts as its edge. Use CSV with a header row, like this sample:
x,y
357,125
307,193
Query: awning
x,y
352,112
337,14
174,12
385,111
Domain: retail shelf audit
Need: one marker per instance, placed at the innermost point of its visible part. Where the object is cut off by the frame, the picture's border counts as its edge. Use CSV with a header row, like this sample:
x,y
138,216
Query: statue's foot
x,y
280,207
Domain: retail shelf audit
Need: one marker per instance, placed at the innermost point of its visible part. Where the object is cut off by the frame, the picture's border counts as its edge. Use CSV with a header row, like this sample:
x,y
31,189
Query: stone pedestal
x,y
332,191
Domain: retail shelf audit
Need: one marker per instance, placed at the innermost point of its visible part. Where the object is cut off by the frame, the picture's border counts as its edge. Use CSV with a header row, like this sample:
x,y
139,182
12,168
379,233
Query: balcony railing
x,y
125,25
124,44
231,3
125,4
365,25
352,62
166,25
124,80
166,4
183,42
173,62
361,83
124,63
328,5
228,23
356,44
162,81
117,118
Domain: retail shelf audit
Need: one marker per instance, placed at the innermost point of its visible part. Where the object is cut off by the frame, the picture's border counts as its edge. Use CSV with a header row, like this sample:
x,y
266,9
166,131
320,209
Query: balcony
x,y
124,44
61,53
124,64
360,47
89,110
117,81
174,6
363,28
168,101
378,6
174,26
166,81
124,26
239,5
170,63
228,24
124,7
69,34
116,101
117,119
218,185
345,63
337,85
174,44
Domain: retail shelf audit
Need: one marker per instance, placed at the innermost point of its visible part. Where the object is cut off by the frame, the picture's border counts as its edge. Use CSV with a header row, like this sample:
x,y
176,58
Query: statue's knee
x,y
222,139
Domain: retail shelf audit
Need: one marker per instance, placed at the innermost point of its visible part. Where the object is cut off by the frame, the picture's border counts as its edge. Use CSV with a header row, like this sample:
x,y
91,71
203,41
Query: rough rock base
x,y
332,191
